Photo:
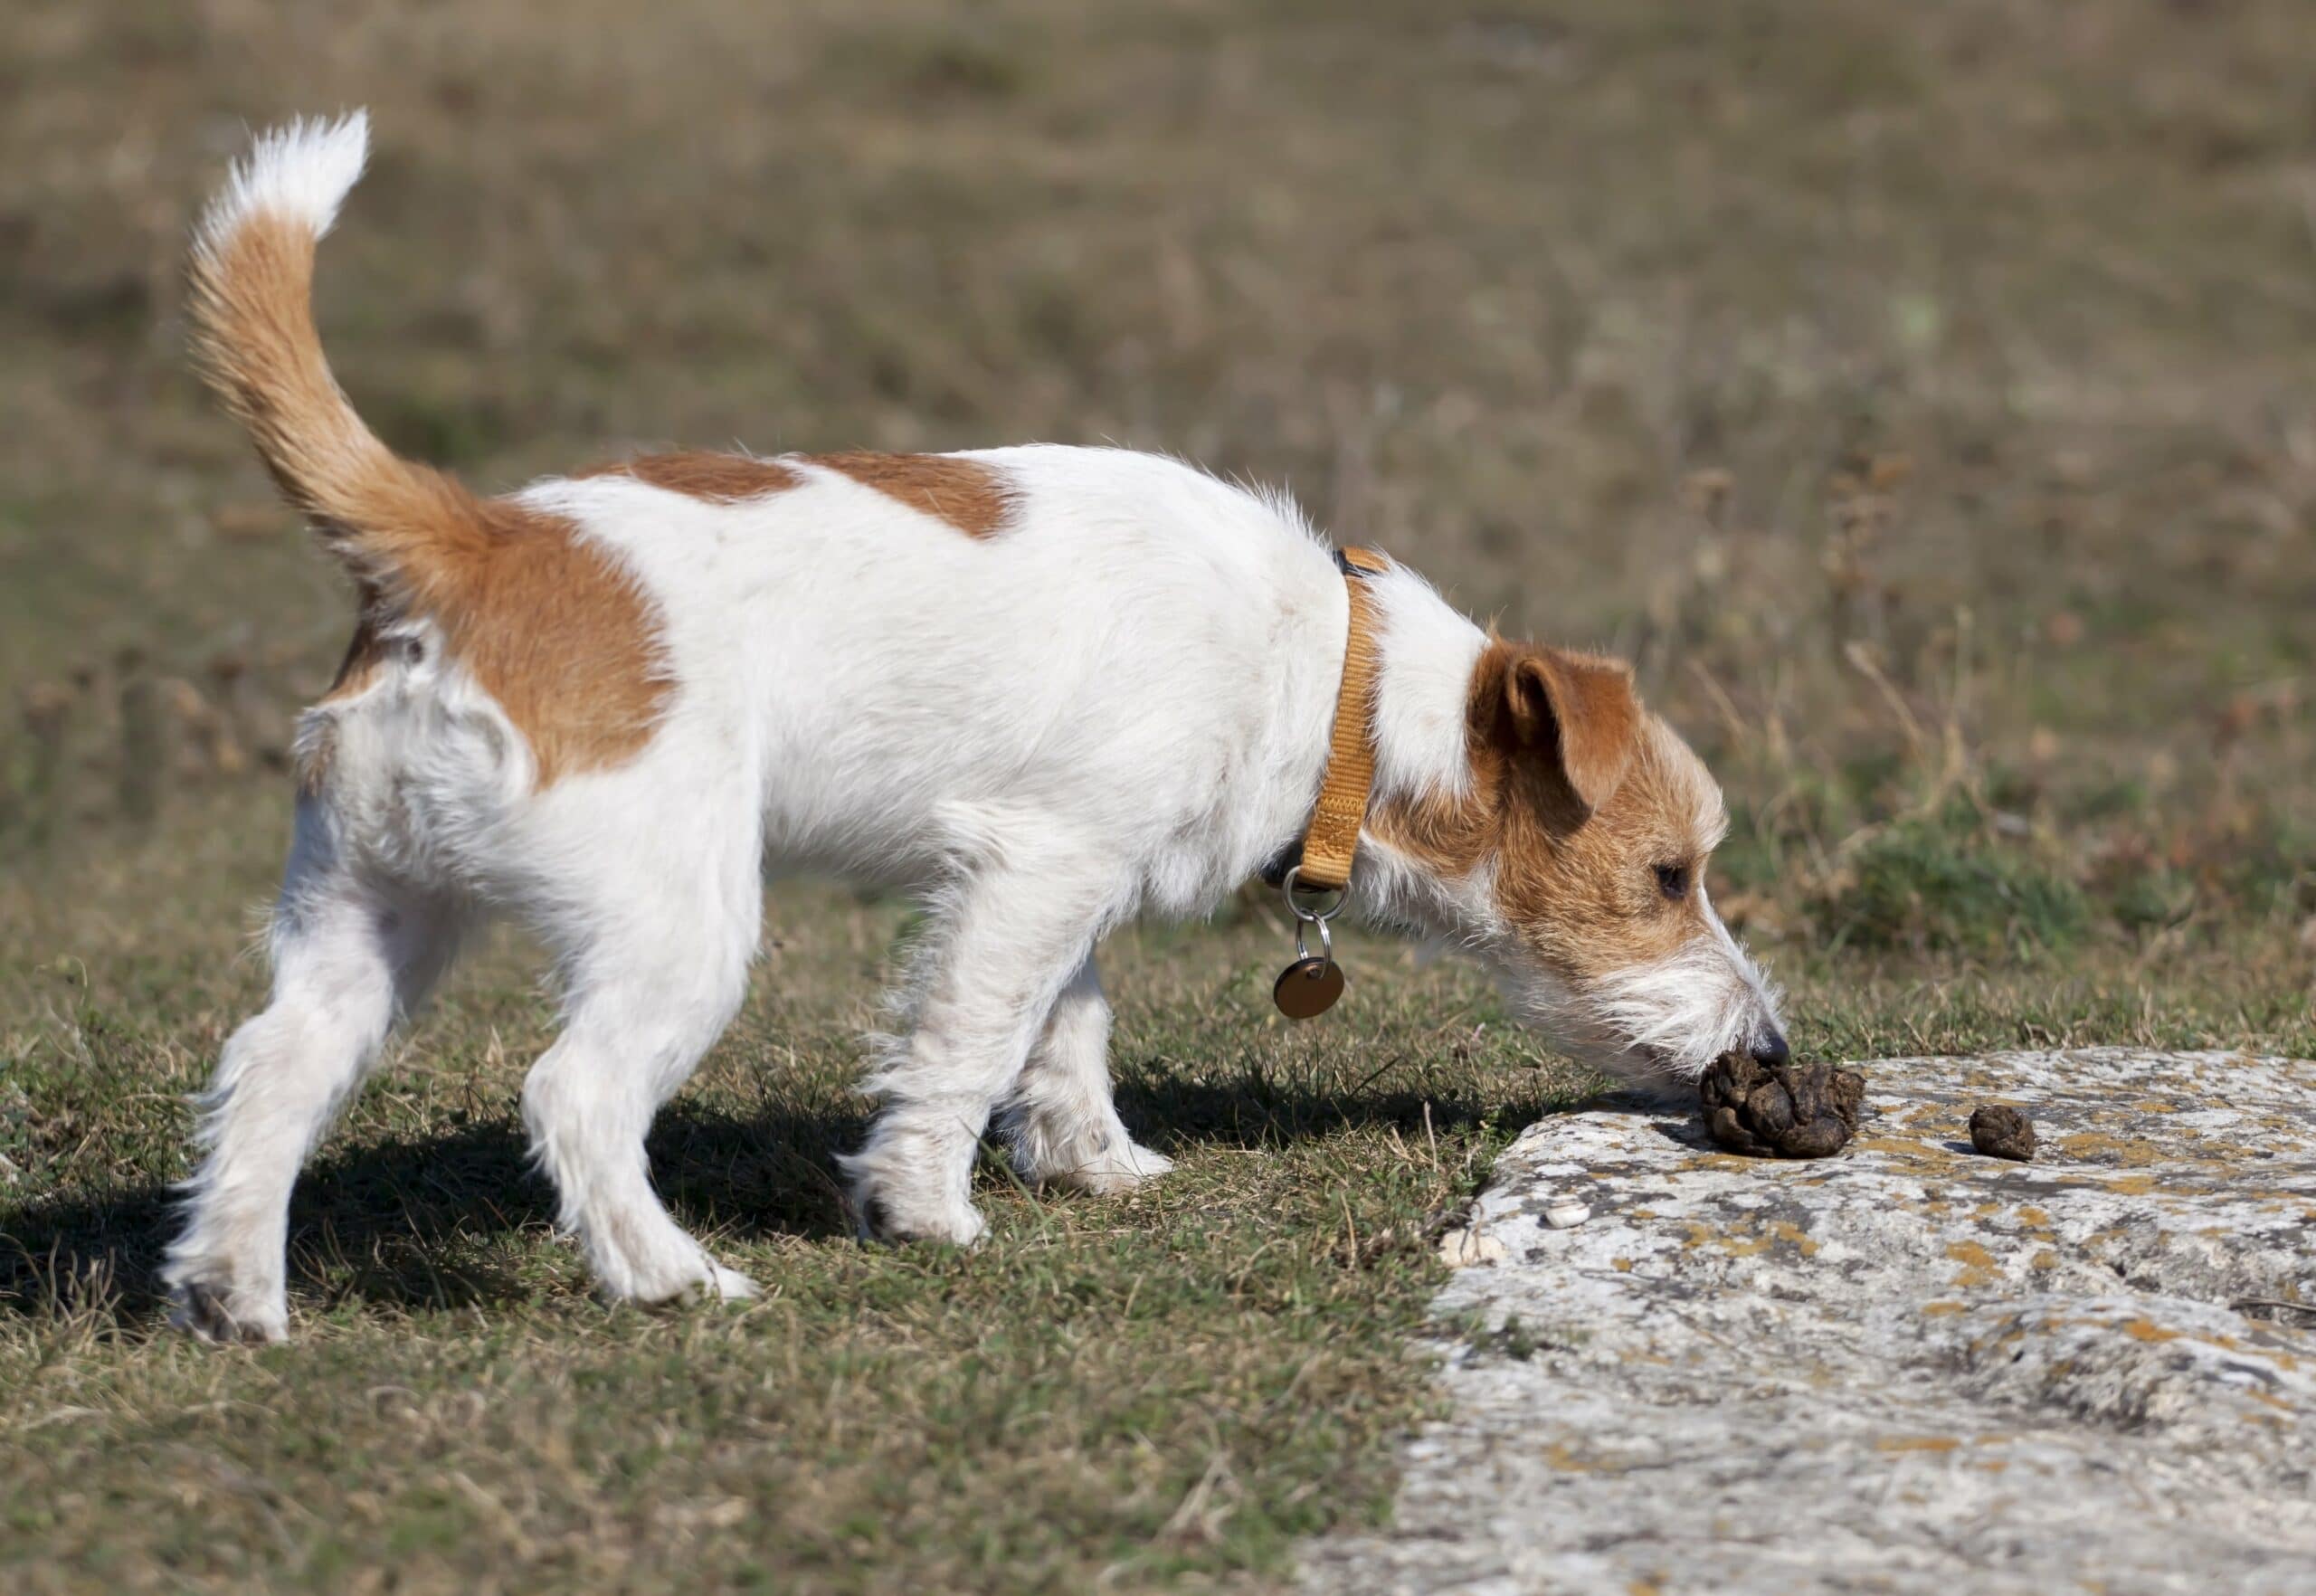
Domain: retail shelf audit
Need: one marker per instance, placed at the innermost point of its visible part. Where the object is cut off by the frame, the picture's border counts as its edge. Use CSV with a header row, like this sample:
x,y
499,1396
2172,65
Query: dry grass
x,y
1922,398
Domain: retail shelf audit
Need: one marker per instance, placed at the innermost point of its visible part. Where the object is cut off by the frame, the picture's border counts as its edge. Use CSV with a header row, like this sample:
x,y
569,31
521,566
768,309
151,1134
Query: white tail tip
x,y
301,169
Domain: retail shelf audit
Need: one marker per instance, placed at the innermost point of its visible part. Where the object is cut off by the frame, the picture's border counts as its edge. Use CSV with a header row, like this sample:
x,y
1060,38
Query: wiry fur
x,y
1049,688
1672,1016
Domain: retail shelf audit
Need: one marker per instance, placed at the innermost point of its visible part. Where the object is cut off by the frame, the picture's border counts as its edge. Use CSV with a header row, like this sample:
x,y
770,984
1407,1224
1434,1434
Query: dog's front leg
x,y
1062,1125
1010,941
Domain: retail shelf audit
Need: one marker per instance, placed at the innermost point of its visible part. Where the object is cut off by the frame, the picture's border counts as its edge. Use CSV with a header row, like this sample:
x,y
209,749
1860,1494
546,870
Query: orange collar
x,y
1341,811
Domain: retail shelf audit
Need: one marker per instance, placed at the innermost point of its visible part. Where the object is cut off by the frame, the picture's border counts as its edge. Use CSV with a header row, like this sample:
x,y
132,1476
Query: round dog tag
x,y
1307,988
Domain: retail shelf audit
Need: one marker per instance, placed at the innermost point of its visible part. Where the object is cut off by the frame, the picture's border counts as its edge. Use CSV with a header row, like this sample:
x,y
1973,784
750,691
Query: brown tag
x,y
1307,988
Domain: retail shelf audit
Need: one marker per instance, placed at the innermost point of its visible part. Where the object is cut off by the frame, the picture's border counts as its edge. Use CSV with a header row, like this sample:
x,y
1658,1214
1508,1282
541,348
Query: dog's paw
x,y
962,1227
677,1282
959,1224
730,1285
718,1285
1112,1172
218,1315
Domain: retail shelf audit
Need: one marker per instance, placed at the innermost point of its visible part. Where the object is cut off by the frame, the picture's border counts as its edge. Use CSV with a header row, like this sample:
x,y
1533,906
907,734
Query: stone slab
x,y
1908,1368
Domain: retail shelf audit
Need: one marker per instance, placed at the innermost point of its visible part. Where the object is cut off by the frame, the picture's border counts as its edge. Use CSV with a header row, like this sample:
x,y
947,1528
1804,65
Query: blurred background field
x,y
1925,398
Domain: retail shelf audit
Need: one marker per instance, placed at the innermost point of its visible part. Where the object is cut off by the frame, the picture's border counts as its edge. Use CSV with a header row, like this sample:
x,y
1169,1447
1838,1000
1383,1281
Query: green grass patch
x,y
1940,885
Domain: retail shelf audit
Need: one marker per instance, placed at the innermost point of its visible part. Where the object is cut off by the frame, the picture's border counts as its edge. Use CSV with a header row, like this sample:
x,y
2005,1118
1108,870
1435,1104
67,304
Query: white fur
x,y
1424,693
303,169
1676,1015
1118,704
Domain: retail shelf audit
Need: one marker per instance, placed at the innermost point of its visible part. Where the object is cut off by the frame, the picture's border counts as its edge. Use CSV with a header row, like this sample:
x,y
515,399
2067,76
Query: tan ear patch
x,y
720,478
1578,710
970,496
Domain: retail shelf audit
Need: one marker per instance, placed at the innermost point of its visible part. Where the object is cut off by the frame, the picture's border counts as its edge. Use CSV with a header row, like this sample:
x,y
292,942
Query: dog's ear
x,y
1576,712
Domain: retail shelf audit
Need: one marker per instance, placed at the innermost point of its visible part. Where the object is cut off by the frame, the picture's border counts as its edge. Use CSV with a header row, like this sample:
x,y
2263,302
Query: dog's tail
x,y
402,527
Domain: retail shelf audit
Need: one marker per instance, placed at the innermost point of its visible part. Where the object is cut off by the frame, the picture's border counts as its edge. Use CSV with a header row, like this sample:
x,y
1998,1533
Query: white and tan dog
x,y
1048,687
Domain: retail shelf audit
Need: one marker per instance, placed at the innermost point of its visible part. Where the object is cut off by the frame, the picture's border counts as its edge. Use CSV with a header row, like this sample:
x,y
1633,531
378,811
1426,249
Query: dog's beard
x,y
1661,1022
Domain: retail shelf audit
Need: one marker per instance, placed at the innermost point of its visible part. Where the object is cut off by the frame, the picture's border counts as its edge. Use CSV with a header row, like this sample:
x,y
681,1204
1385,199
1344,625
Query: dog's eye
x,y
1673,881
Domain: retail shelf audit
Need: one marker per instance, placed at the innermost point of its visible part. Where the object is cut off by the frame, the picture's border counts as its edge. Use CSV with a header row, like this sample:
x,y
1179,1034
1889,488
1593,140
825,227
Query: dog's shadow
x,y
425,1221
1257,1110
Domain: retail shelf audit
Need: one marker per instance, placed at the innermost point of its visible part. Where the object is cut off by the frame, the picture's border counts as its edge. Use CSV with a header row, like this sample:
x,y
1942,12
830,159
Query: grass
x,y
1933,883
1183,1382
1919,398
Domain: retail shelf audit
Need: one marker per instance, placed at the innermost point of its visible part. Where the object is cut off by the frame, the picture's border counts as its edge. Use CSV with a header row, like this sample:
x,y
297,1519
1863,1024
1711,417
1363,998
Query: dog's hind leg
x,y
1062,1124
352,952
654,966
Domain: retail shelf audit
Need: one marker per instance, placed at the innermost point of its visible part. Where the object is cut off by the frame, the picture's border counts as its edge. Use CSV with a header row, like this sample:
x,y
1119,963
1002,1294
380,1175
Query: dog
x,y
1048,689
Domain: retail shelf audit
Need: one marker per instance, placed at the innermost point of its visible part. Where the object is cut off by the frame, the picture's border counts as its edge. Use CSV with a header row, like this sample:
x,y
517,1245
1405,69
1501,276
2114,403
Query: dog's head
x,y
1574,862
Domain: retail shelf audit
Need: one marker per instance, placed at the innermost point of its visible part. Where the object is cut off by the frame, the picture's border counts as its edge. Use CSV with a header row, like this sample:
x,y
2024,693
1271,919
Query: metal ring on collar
x,y
1316,917
1301,937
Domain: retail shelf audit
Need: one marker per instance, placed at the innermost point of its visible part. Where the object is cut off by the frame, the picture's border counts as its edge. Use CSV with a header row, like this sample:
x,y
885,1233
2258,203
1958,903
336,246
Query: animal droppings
x,y
2002,1132
1779,1110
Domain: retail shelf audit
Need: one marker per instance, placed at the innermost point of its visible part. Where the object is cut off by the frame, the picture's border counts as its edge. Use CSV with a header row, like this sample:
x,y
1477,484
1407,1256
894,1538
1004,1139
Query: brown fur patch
x,y
550,624
1576,880
555,631
968,495
1587,899
1579,709
720,478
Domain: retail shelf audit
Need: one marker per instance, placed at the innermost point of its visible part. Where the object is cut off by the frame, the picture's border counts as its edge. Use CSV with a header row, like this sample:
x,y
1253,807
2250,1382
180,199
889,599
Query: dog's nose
x,y
1768,1048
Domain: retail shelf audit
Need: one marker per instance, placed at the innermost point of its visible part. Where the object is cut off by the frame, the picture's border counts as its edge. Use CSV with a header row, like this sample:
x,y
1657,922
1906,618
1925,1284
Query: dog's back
x,y
1125,639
